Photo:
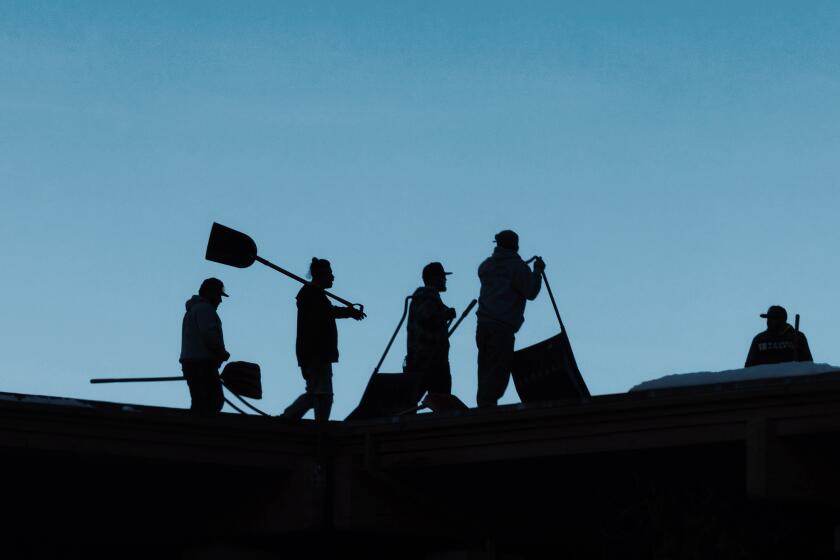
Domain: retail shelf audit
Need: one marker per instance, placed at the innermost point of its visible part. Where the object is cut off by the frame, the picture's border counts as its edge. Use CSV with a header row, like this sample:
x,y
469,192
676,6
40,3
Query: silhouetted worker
x,y
203,347
317,342
428,340
779,343
506,283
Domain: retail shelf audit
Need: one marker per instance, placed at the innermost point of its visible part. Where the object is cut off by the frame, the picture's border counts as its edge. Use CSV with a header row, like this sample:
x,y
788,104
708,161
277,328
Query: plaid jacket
x,y
427,326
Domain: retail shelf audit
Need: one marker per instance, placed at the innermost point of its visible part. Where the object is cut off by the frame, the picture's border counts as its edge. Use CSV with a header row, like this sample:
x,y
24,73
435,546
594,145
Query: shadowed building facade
x,y
716,471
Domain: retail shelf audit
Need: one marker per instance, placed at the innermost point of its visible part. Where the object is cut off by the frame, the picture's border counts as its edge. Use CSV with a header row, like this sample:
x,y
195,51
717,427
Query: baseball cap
x,y
775,312
508,239
212,286
432,269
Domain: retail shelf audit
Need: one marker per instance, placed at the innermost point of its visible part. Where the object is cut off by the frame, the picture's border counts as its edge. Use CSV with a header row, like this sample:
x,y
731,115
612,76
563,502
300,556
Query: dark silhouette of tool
x,y
234,248
240,378
389,394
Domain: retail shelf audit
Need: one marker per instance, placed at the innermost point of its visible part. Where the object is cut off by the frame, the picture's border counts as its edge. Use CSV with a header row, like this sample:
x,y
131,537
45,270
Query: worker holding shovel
x,y
506,284
317,342
203,347
428,337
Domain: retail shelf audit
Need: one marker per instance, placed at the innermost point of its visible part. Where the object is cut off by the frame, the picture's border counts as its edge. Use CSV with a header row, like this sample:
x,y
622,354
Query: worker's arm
x,y
527,282
752,355
347,313
431,312
210,329
803,352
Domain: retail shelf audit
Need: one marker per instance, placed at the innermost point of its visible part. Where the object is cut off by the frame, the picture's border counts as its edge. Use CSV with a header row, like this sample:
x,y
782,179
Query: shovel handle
x,y
553,303
462,317
393,336
294,276
135,379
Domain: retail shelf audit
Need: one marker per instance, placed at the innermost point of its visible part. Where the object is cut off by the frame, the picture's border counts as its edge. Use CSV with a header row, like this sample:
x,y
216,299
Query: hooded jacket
x,y
506,283
201,333
786,345
317,335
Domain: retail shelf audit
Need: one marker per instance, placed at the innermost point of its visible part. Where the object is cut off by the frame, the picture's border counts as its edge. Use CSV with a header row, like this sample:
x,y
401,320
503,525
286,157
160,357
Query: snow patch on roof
x,y
58,401
786,369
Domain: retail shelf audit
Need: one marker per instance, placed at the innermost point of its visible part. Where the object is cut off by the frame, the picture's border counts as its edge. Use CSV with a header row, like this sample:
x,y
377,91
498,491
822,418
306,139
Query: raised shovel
x,y
234,248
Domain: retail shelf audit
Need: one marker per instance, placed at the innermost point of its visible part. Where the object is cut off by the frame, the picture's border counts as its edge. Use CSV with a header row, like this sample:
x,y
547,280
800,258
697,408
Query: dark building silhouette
x,y
738,470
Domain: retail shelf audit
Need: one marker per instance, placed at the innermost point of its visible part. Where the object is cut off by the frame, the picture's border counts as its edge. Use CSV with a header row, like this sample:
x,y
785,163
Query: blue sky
x,y
677,165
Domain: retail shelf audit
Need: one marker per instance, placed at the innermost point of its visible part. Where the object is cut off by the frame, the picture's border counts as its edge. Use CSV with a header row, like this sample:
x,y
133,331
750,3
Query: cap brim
x,y
225,295
447,273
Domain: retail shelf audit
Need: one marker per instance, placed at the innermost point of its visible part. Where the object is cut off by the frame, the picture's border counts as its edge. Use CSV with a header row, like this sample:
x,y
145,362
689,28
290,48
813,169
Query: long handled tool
x,y
234,248
135,379
242,379
388,394
393,336
462,317
402,320
550,293
553,303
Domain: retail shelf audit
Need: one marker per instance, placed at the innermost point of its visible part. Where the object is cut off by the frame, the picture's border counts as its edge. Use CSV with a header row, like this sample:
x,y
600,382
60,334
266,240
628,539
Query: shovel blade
x,y
230,247
243,378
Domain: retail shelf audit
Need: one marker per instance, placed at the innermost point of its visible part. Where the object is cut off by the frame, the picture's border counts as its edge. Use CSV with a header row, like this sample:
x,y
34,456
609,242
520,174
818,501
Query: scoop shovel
x,y
234,248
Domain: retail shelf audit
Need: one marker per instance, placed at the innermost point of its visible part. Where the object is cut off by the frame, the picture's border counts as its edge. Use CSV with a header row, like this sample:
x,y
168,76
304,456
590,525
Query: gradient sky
x,y
677,165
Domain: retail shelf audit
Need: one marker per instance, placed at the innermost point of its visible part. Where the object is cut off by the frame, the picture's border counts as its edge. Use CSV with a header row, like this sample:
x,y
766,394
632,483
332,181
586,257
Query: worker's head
x,y
434,276
776,317
212,290
321,273
507,239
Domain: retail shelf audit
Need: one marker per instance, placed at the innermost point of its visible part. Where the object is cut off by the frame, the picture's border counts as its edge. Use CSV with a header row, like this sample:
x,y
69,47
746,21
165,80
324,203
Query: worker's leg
x,y
495,358
205,387
299,407
439,378
416,371
303,403
322,390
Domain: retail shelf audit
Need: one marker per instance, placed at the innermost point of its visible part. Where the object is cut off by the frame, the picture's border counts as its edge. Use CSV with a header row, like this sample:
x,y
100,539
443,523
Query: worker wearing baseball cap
x,y
428,341
779,343
506,284
203,347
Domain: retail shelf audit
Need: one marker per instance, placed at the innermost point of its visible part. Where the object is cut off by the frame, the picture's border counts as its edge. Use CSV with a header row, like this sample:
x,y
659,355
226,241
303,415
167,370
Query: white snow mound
x,y
786,369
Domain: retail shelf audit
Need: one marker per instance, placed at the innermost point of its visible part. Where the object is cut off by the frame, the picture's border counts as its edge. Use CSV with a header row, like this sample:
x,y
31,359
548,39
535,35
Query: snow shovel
x,y
234,248
241,378
387,394
548,370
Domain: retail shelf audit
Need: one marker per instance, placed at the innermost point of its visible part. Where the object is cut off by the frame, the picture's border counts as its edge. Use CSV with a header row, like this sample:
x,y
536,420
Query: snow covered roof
x,y
787,369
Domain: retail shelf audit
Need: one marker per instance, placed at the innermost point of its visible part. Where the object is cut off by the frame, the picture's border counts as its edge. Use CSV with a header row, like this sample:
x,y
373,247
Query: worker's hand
x,y
539,265
357,314
451,313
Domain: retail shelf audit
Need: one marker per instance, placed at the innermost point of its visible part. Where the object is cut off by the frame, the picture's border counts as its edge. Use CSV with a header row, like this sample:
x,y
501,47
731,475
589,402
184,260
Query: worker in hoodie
x,y
203,347
428,341
779,343
317,342
506,284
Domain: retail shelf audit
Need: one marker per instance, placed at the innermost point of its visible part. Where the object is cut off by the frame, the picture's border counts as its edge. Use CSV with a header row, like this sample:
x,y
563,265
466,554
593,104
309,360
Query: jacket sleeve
x,y
803,352
210,329
430,312
527,282
306,325
751,355
342,312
